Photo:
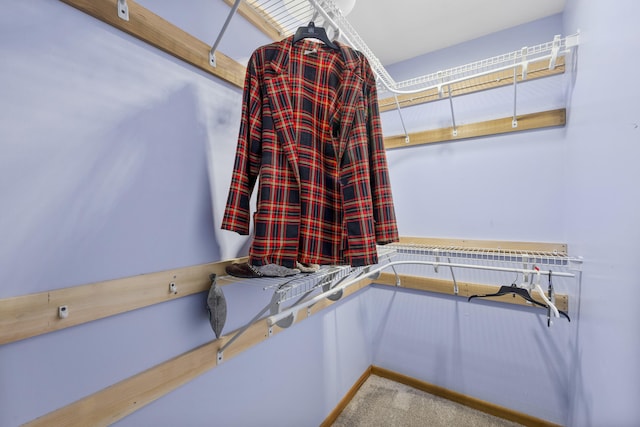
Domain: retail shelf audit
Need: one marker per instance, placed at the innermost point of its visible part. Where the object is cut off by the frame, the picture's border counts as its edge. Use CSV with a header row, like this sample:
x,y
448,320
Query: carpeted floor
x,y
381,403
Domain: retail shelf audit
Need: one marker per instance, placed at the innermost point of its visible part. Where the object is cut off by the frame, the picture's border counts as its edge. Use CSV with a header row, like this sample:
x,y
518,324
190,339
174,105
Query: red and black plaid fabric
x,y
310,134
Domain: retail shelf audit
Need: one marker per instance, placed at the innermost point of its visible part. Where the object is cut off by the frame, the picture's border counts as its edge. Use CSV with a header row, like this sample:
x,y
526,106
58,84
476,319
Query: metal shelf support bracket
x,y
123,10
212,52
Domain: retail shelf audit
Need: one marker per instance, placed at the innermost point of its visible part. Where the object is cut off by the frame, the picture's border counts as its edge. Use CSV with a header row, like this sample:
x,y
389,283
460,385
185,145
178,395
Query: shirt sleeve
x,y
386,228
248,154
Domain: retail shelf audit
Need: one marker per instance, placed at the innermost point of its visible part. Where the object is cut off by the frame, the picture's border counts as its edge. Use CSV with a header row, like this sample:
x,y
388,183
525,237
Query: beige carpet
x,y
381,403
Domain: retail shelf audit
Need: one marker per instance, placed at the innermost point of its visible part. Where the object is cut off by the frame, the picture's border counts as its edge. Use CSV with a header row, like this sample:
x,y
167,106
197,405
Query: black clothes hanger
x,y
515,290
313,32
551,298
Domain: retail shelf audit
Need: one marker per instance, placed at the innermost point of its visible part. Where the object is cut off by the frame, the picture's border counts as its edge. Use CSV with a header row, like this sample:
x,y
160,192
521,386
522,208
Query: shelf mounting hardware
x,y
123,10
453,117
514,122
555,48
406,134
212,52
220,353
525,63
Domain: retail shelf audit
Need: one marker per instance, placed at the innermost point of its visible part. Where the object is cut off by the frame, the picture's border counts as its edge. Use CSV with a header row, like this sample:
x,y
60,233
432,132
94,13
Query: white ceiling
x,y
396,30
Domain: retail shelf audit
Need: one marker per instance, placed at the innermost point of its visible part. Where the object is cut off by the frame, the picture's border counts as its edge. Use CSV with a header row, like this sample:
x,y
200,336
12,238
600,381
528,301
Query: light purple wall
x,y
104,152
576,185
602,205
506,187
116,160
503,355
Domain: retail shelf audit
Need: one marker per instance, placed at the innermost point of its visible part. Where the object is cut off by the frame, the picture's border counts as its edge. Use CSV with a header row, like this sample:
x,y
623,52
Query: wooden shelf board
x,y
544,119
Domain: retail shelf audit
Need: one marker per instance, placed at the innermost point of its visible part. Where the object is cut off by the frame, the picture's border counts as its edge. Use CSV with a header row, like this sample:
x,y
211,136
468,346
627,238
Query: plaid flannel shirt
x,y
311,136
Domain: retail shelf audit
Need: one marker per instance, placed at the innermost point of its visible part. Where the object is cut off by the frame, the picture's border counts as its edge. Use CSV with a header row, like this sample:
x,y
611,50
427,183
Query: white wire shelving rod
x,y
293,310
331,13
476,74
548,50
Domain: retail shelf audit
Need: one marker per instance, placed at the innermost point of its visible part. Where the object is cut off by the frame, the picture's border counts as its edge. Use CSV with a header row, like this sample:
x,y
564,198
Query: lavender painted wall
x,y
573,185
602,205
116,160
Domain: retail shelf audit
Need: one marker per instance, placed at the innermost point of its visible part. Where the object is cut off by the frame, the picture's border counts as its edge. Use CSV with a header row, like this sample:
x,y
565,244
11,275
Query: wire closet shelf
x,y
481,264
301,292
285,16
325,279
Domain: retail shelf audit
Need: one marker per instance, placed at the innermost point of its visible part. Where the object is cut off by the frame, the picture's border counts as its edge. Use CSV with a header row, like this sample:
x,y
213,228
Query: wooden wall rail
x,y
35,314
152,29
532,121
113,403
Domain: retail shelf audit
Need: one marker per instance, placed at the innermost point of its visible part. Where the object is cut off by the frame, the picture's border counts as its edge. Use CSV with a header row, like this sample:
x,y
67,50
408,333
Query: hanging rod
x,y
293,310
